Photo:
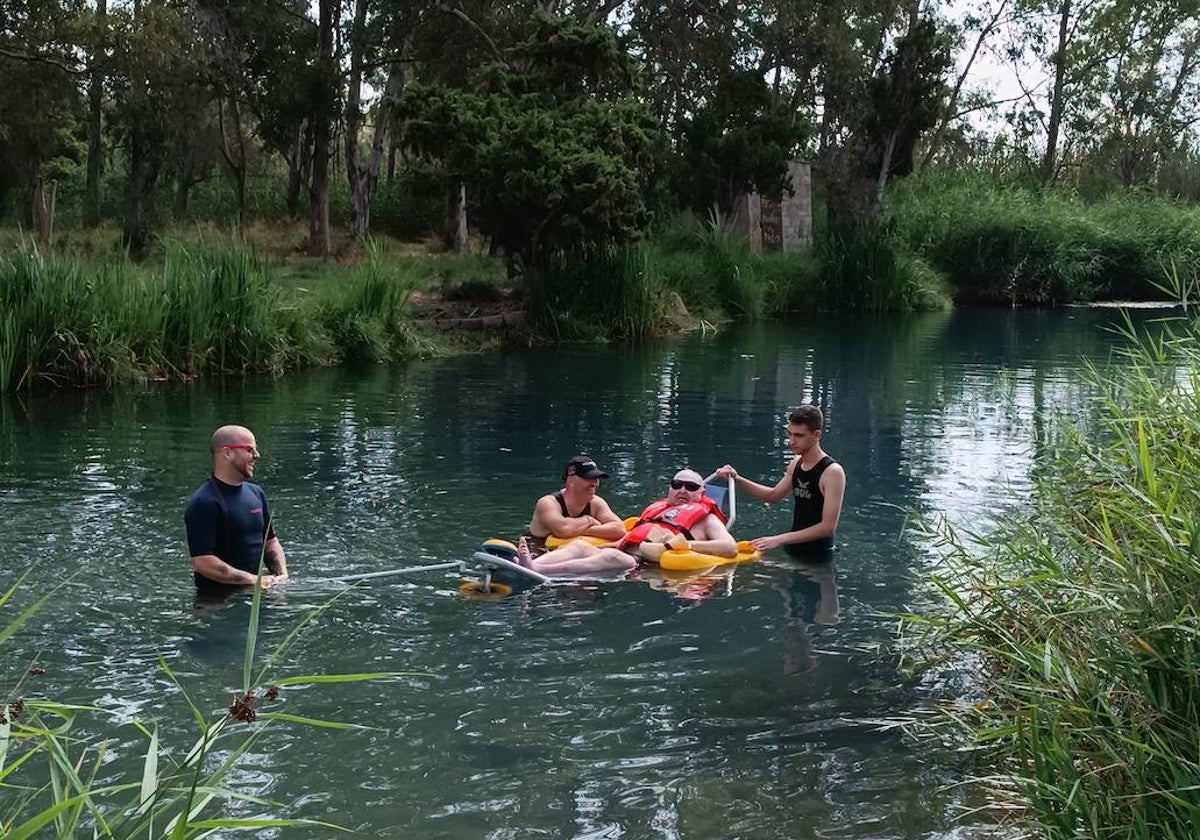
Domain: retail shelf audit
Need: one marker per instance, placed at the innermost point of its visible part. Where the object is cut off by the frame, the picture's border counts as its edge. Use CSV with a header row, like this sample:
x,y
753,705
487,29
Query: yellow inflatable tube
x,y
559,542
686,560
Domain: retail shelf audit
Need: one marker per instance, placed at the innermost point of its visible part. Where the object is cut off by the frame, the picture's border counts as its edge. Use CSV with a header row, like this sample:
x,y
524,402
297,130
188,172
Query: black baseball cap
x,y
584,467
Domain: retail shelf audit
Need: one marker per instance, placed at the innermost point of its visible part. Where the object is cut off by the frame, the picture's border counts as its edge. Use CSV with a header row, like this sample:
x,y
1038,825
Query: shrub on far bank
x,y
1003,244
863,269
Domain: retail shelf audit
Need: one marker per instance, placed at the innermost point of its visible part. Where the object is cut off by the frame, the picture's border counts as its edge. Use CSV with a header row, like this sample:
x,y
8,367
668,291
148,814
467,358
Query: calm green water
x,y
743,706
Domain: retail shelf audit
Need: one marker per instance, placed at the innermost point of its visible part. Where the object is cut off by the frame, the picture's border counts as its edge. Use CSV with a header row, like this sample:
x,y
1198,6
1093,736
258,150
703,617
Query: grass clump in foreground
x,y
60,779
1084,616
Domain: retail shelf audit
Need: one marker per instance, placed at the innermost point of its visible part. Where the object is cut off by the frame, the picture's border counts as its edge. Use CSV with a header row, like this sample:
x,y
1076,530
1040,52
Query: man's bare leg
x,y
580,557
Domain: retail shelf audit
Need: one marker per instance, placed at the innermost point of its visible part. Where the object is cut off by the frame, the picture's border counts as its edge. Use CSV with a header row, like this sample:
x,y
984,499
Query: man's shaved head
x,y
689,475
229,436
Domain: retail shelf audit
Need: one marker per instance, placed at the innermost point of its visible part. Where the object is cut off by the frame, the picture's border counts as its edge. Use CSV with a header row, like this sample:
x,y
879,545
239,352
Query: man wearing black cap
x,y
575,510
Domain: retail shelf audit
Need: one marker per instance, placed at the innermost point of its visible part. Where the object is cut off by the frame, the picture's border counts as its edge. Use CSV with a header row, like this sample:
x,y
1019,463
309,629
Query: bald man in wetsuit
x,y
229,527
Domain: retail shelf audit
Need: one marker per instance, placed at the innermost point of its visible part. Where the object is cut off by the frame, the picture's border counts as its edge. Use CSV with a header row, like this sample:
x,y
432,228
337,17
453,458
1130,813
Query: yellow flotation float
x,y
675,559
559,542
686,560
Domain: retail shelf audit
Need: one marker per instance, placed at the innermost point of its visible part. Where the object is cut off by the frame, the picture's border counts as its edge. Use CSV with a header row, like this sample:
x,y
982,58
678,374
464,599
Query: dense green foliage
x,y
559,153
1001,244
1081,615
211,310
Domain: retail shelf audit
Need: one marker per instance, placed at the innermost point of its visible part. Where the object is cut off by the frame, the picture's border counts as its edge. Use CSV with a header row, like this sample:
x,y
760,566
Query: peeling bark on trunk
x,y
363,175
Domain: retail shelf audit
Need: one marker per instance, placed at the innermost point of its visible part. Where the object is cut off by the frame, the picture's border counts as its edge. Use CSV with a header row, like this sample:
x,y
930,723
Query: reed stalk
x,y
1080,619
50,762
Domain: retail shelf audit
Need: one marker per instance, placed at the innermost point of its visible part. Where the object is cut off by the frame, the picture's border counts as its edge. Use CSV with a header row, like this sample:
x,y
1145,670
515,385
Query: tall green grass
x,y
596,293
204,310
1003,244
863,269
365,318
1081,619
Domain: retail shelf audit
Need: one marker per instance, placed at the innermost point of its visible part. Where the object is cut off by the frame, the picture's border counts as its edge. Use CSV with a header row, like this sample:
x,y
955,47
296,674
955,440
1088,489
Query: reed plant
x,y
51,759
1080,619
1003,244
863,269
207,309
595,293
728,260
365,317
220,313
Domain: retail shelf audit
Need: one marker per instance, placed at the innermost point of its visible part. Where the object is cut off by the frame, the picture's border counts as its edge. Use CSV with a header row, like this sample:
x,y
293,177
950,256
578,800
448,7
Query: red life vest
x,y
677,518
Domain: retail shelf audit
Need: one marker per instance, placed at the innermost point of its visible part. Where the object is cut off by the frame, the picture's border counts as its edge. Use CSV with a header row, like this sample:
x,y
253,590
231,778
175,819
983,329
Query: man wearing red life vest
x,y
686,518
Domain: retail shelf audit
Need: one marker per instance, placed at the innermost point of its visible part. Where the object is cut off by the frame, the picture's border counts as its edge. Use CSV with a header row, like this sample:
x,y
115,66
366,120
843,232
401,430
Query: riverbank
x,y
83,315
207,303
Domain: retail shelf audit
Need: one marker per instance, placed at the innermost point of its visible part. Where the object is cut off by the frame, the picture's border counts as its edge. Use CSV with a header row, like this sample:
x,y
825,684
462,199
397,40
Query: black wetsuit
x,y
232,522
537,545
810,505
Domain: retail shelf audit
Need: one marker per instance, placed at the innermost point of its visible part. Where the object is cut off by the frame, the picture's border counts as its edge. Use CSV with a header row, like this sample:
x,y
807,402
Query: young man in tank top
x,y
816,483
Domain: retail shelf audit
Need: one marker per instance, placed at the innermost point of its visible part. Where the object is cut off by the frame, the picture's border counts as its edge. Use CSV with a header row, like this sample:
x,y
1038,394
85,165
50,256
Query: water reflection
x,y
810,605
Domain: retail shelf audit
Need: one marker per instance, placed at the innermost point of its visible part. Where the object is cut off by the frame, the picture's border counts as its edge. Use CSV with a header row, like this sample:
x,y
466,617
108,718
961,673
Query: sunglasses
x,y
690,486
249,447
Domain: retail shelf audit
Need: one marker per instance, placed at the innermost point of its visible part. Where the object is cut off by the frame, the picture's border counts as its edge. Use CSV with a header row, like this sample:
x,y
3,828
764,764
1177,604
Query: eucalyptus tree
x,y
381,38
96,40
158,67
878,83
707,68
278,45
1147,102
1117,77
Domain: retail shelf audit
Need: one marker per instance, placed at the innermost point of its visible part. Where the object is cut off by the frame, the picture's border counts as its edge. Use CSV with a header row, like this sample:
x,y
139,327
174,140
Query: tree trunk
x,y
951,105
454,235
355,176
233,149
299,168
318,192
135,232
143,167
95,162
183,189
1050,159
43,209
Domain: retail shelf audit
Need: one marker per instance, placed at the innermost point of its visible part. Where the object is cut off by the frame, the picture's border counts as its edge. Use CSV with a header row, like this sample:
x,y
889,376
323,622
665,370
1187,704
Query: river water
x,y
746,705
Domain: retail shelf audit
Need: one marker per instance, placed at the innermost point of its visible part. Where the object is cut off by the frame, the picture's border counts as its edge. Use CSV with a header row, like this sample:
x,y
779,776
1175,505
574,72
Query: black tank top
x,y
562,505
810,504
537,545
